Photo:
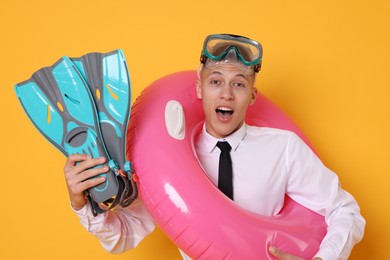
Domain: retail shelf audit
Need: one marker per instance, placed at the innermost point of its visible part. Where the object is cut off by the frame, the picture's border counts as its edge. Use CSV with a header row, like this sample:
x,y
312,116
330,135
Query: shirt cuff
x,y
83,212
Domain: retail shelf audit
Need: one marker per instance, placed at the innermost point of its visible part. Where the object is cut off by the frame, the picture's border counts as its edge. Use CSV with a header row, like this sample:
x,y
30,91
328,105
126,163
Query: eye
x,y
215,82
239,84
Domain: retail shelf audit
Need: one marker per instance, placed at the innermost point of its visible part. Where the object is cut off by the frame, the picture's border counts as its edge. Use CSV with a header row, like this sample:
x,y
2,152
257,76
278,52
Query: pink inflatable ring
x,y
194,214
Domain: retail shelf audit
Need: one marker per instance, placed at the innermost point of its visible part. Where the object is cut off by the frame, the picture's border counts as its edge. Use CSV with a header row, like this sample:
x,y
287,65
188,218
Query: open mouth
x,y
224,112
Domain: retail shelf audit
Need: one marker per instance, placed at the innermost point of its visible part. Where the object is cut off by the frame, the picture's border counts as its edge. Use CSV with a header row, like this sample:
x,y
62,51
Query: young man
x,y
226,88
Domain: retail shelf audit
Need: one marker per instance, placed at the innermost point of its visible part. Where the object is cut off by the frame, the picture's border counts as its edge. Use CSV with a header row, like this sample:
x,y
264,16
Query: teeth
x,y
225,109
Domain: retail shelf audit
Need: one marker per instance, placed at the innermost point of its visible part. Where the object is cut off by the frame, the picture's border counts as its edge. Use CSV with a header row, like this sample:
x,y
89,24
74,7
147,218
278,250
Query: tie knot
x,y
224,146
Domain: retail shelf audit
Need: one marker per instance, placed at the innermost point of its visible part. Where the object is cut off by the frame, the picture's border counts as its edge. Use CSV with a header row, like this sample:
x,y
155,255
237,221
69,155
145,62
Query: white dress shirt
x,y
267,164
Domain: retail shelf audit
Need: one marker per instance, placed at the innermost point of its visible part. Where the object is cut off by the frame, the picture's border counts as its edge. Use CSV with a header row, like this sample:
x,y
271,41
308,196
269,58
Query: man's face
x,y
226,93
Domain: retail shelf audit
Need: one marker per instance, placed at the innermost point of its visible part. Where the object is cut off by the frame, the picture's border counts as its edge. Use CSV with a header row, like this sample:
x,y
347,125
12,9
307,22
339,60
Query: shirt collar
x,y
234,139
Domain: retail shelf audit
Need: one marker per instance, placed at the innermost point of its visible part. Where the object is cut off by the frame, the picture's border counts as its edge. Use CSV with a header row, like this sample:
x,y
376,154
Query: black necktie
x,y
225,172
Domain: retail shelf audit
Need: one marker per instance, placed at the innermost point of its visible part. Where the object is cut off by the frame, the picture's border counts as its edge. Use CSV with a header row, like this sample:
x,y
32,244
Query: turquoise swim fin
x,y
59,102
107,76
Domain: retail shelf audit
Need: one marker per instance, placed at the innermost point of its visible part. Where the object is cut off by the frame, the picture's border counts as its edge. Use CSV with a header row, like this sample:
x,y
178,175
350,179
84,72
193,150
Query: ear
x,y
198,89
254,96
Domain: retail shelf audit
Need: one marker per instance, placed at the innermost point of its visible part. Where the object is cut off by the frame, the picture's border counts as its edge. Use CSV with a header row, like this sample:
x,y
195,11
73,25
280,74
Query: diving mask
x,y
218,47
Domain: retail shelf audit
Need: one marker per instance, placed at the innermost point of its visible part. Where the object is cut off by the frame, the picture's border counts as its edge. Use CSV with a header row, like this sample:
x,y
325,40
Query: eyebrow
x,y
216,72
242,75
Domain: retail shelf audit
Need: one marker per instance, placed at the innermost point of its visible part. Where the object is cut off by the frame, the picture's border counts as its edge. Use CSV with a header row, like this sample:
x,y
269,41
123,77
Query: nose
x,y
226,92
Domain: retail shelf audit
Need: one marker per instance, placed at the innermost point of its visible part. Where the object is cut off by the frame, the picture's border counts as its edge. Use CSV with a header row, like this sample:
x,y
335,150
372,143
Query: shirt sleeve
x,y
316,187
120,229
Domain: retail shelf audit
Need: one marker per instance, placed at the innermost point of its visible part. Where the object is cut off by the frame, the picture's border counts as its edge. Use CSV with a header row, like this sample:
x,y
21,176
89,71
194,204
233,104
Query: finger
x,y
92,182
275,252
90,163
282,255
84,165
80,182
73,159
85,185
78,177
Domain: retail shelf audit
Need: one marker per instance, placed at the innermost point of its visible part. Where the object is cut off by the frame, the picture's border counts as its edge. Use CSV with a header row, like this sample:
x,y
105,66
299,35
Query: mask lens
x,y
217,47
249,52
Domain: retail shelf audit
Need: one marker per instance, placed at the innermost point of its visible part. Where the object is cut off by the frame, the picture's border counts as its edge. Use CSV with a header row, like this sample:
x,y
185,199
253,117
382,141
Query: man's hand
x,y
78,171
279,254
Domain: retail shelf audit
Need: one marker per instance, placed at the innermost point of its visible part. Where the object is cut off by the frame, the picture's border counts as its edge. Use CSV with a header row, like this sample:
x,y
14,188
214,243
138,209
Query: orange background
x,y
326,63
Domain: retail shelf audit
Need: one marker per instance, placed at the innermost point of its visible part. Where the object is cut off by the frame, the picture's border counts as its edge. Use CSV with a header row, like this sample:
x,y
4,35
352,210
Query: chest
x,y
259,175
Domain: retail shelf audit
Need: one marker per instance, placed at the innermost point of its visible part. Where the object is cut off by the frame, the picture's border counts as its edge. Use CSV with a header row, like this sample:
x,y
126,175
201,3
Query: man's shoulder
x,y
260,130
270,135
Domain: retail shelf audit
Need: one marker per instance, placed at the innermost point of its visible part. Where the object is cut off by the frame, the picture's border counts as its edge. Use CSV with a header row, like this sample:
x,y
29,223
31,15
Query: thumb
x,y
275,251
282,255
